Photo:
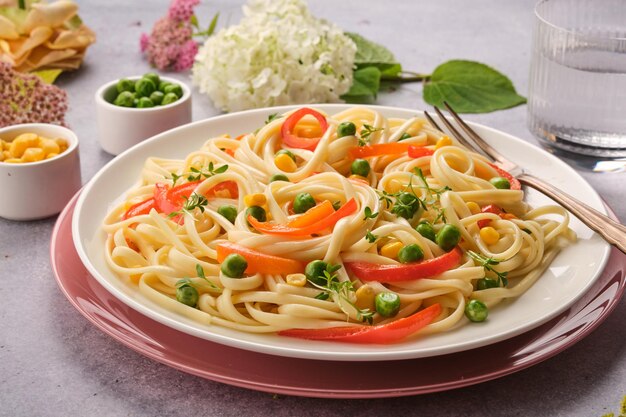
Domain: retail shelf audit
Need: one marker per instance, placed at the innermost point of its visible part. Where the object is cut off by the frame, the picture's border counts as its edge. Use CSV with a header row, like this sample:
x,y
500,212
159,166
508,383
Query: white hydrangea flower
x,y
278,54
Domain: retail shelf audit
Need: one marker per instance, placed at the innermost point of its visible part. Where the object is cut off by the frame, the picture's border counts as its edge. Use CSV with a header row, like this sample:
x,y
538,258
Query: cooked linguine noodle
x,y
503,242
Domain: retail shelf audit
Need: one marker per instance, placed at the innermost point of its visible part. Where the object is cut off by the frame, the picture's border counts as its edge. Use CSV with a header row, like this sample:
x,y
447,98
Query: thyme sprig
x,y
196,174
342,290
366,132
200,273
488,264
195,201
371,237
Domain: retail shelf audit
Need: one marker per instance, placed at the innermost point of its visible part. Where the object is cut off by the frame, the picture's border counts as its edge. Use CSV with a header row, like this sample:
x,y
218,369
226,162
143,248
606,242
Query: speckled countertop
x,y
53,362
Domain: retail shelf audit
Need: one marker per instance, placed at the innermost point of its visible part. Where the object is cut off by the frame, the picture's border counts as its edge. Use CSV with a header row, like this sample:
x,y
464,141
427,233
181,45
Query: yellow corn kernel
x,y
33,155
489,235
4,145
257,199
49,146
297,280
285,163
365,296
508,216
358,177
51,155
391,249
394,186
13,161
443,141
23,142
473,207
62,143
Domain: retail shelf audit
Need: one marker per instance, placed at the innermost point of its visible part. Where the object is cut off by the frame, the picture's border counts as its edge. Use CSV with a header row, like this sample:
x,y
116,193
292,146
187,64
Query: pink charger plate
x,y
325,379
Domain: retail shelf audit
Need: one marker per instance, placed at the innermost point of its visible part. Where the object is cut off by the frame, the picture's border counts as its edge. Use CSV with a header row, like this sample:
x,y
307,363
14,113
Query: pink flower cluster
x,y
26,98
182,10
170,45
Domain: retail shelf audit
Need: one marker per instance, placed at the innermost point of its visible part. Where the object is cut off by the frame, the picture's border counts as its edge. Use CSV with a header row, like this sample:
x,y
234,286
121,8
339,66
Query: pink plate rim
x,y
331,379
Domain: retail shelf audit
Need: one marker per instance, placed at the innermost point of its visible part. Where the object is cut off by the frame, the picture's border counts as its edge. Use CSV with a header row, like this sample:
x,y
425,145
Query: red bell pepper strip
x,y
367,271
165,201
515,184
394,331
259,262
168,200
286,230
230,186
419,151
491,208
289,125
143,207
313,215
379,149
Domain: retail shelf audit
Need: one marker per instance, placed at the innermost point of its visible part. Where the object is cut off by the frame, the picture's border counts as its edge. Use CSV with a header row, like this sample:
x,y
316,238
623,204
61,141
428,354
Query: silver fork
x,y
612,231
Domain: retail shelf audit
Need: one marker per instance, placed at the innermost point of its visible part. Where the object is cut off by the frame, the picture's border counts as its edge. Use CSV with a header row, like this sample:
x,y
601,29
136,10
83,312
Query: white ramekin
x,y
120,128
35,190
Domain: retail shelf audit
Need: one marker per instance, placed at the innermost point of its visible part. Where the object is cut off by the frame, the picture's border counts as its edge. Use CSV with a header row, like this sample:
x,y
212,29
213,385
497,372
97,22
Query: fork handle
x,y
612,231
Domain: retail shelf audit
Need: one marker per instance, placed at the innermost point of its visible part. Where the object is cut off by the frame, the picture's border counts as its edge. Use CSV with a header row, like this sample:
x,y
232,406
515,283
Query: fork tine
x,y
454,131
432,121
484,146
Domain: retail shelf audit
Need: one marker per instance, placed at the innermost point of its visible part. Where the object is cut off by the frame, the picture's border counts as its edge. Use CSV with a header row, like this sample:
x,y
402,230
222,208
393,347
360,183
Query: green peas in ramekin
x,y
146,92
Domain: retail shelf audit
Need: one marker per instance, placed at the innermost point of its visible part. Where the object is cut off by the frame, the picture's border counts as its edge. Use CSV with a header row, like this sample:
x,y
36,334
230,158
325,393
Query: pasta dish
x,y
348,227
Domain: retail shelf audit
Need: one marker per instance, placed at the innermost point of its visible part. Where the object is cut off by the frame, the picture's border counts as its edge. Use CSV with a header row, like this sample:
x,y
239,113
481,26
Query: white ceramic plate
x,y
567,278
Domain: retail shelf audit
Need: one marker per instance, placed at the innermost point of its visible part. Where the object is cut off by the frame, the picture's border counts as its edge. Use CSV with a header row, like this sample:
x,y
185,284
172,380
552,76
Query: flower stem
x,y
407,77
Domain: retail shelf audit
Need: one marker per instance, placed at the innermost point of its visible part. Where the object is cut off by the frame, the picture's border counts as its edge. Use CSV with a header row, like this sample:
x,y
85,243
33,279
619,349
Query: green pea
x,y
404,136
228,211
154,77
406,198
303,202
125,85
125,99
486,283
387,304
174,88
314,272
257,212
448,237
406,205
500,183
145,102
286,152
360,167
234,265
426,229
346,129
162,86
410,253
144,87
157,97
279,177
168,99
476,311
187,295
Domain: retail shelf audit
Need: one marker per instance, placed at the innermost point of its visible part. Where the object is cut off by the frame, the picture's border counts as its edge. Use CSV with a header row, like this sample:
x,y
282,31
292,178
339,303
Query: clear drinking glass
x,y
577,97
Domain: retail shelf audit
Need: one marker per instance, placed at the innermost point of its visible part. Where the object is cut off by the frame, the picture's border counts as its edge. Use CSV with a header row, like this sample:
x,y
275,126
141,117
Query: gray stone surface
x,y
54,363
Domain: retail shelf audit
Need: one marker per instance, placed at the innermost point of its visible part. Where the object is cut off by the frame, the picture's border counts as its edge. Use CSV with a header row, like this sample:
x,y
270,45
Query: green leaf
x,y
470,87
48,76
371,54
194,21
212,25
365,86
15,15
74,23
